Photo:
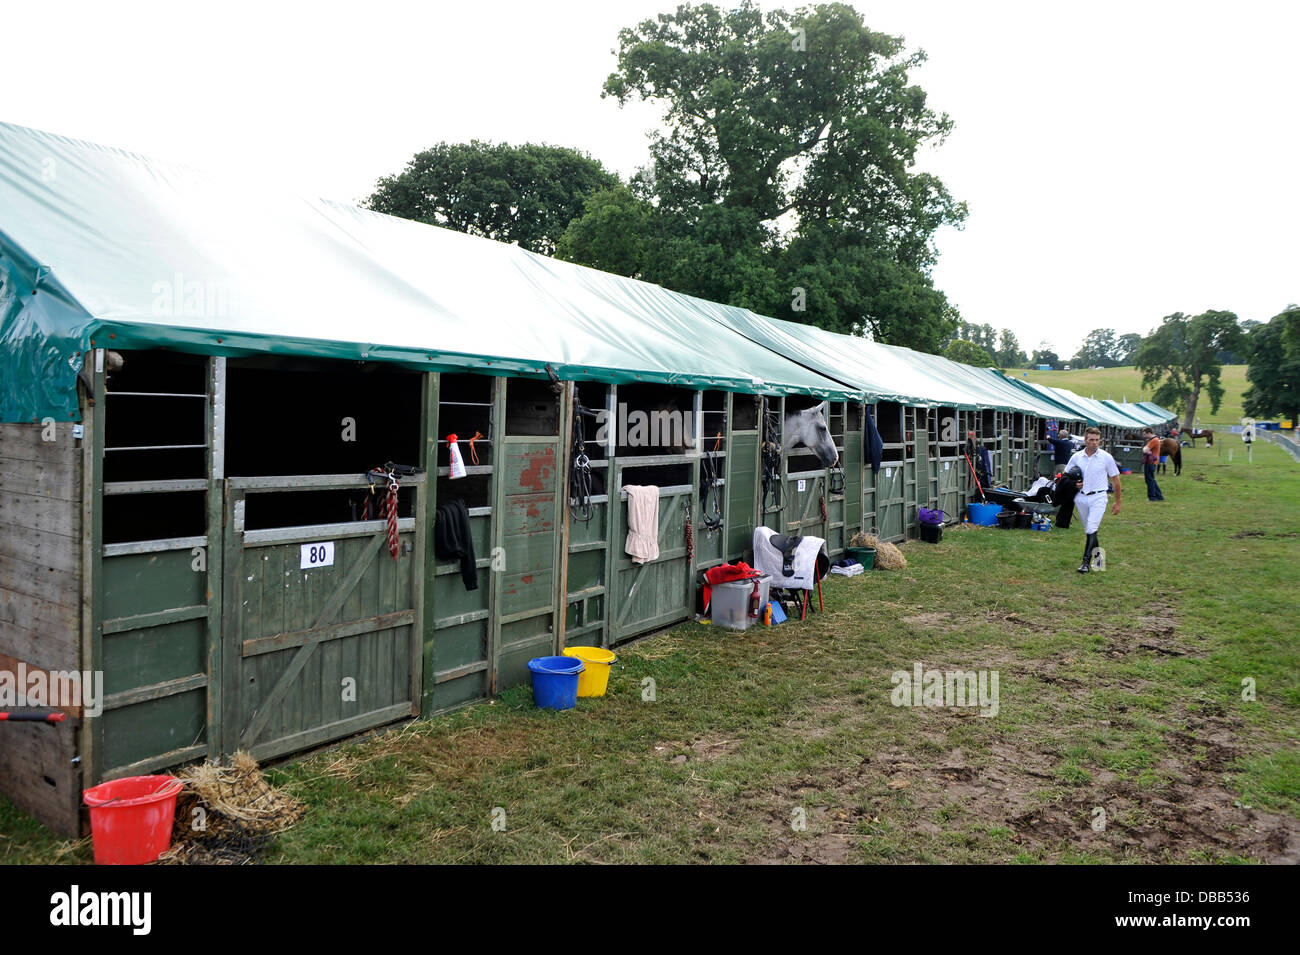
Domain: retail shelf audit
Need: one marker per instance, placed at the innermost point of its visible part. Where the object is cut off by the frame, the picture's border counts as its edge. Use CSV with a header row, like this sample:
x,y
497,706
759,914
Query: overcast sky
x,y
1121,161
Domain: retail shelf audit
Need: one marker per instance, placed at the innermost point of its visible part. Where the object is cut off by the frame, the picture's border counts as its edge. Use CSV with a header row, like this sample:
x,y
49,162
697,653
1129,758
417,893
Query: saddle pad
x,y
810,558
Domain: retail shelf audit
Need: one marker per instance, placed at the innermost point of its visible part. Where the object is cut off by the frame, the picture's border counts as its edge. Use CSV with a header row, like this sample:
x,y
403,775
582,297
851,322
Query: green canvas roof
x,y
1101,413
1042,406
997,390
1064,409
1142,417
1165,416
887,372
97,244
881,374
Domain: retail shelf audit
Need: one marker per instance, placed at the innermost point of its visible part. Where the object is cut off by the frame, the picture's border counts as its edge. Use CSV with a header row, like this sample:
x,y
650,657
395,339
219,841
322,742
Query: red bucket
x,y
131,818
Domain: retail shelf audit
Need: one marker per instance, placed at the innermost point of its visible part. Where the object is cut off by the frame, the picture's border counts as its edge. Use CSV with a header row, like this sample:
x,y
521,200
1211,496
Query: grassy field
x,y
1120,700
1116,383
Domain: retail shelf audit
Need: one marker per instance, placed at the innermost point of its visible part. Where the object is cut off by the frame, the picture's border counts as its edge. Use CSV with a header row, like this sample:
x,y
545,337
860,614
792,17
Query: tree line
x,y
1183,359
783,180
985,346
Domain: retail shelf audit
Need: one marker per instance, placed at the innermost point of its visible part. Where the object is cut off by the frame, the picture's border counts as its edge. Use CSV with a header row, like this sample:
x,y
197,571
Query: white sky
x,y
1121,161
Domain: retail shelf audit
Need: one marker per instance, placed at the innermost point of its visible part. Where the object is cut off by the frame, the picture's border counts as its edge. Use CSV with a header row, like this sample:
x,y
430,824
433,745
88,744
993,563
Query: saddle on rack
x,y
796,561
787,544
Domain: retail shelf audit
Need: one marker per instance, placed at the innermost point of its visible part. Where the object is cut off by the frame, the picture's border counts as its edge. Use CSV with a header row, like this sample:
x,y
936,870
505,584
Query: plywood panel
x,y
38,774
19,509
49,582
40,546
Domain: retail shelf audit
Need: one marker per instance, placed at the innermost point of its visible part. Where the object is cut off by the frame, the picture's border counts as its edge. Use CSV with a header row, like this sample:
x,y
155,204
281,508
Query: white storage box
x,y
730,604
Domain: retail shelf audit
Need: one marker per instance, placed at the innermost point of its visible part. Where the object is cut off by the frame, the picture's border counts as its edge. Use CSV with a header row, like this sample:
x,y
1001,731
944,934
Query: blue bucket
x,y
985,515
555,681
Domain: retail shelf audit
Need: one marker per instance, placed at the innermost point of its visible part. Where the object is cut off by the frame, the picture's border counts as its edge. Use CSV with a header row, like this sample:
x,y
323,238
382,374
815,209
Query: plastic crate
x,y
730,602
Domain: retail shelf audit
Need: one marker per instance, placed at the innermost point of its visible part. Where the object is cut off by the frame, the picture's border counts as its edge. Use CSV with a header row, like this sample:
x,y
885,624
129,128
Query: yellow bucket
x,y
594,680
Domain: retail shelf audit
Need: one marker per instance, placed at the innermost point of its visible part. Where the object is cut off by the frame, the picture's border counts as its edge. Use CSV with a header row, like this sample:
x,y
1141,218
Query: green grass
x,y
1120,690
1117,383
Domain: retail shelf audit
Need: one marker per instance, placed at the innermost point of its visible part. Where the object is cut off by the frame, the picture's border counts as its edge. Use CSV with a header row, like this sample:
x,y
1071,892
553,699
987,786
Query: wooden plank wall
x,y
40,609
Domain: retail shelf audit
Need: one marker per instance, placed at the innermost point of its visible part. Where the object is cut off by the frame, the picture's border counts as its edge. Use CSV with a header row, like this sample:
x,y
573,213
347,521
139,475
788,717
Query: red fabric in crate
x,y
724,573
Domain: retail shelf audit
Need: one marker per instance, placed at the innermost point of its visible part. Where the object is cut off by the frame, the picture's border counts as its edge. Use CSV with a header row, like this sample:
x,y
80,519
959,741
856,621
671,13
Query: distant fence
x,y
1287,444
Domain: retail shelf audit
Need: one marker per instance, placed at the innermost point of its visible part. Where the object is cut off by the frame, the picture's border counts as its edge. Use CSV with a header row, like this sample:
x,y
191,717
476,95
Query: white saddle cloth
x,y
768,560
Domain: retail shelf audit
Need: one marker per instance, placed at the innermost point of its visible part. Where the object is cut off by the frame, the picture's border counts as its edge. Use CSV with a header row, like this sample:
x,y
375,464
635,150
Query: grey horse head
x,y
809,428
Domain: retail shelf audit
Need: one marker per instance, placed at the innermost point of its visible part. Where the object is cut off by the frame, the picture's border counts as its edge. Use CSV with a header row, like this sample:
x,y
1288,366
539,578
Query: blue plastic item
x,y
555,681
985,515
778,615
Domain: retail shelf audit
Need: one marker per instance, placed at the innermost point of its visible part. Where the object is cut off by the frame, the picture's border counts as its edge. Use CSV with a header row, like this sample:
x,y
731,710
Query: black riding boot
x,y
1088,547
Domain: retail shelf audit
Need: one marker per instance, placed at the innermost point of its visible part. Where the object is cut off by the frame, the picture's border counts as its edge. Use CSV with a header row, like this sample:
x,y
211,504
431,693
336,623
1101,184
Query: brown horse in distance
x,y
1205,433
1169,447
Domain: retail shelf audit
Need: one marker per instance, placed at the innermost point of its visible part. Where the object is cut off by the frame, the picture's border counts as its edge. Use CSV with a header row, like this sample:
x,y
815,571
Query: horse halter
x,y
836,483
710,499
580,472
771,458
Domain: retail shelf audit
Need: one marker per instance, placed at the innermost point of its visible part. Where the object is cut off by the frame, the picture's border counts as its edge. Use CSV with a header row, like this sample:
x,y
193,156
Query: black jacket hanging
x,y
452,538
875,448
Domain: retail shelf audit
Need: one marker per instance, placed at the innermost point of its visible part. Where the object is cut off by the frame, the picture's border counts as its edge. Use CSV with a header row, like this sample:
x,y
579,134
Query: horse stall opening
x,y
852,464
743,475
645,435
916,466
812,440
891,489
1022,454
948,463
968,426
588,544
1044,456
990,436
494,614
323,566
156,564
868,519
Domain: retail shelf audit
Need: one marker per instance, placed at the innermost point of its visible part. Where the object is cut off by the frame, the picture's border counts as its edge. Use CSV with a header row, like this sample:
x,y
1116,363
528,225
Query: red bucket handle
x,y
170,787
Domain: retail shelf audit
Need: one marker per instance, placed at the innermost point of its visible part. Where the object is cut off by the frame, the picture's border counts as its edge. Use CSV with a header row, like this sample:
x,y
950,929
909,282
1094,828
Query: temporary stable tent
x,y
196,375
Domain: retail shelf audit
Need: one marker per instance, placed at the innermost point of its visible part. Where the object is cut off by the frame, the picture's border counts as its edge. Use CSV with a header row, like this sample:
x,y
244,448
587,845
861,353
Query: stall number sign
x,y
320,554
803,486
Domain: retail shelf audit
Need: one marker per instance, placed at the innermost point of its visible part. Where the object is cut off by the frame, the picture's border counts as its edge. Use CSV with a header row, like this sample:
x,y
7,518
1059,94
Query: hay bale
x,y
888,557
227,815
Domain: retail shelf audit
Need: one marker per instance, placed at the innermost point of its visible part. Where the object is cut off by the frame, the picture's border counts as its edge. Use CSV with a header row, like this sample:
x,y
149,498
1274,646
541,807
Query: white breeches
x,y
1091,508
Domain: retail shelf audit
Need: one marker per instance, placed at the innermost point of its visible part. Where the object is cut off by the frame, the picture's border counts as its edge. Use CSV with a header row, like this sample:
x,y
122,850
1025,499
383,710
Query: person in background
x,y
1062,449
1098,469
1150,458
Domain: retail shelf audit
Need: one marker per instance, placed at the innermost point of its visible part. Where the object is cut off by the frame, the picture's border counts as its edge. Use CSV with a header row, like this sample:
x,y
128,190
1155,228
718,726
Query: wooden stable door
x,y
321,633
648,596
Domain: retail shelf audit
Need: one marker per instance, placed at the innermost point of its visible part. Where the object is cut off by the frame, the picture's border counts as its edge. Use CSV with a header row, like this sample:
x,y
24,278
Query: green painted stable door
x,y
320,632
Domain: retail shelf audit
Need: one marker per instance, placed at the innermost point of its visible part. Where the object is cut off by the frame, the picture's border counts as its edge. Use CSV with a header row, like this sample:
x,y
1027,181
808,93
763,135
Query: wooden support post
x,y
214,552
562,465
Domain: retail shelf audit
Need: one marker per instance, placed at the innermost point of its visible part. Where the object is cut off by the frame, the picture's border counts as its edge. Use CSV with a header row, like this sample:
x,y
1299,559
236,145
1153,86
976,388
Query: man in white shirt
x,y
1099,471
